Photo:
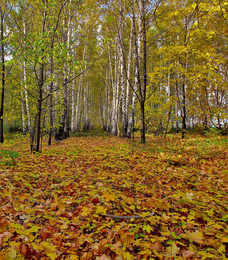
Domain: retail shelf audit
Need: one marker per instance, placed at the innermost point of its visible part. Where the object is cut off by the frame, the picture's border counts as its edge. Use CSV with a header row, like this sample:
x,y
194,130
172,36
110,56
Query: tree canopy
x,y
74,65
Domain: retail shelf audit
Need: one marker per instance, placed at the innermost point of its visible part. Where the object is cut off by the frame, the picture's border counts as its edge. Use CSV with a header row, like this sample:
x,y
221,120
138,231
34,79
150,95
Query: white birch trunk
x,y
135,88
122,83
128,77
22,109
110,87
73,105
80,96
77,107
25,81
115,100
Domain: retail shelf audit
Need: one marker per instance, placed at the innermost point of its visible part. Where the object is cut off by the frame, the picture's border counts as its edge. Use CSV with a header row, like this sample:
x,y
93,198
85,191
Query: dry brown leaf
x,y
103,257
188,254
157,246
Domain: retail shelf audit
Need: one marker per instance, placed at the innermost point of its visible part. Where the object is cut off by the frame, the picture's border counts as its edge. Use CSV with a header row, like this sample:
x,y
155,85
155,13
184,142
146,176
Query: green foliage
x,y
8,157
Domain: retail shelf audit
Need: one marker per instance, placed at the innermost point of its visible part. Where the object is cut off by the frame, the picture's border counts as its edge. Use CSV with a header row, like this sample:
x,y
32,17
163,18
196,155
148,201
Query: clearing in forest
x,y
56,204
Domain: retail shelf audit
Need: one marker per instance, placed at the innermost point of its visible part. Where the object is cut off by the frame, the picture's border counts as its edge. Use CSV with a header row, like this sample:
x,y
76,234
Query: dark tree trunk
x,y
143,125
143,96
51,114
184,109
38,125
64,128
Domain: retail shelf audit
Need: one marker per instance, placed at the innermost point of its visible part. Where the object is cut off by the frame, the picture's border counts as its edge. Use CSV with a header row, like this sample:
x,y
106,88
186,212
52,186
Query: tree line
x,y
72,65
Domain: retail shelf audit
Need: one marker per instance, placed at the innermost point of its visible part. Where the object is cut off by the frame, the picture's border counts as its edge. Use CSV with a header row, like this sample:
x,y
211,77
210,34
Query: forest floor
x,y
55,204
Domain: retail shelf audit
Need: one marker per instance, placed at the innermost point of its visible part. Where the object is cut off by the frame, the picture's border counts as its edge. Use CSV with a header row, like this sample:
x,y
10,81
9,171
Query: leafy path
x,y
55,205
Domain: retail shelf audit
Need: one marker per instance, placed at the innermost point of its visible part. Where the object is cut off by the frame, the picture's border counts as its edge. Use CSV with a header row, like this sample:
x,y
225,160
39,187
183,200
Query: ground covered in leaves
x,y
54,205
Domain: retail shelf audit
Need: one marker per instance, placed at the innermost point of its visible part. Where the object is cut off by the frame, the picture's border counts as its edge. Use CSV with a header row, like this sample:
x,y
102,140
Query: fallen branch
x,y
127,217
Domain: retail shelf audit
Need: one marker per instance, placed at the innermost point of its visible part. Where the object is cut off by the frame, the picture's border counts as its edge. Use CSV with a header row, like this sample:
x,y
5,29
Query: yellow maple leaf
x,y
197,236
108,196
101,209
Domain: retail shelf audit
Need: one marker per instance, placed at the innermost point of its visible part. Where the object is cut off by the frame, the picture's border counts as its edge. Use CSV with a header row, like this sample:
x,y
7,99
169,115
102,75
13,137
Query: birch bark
x,y
25,74
137,41
3,70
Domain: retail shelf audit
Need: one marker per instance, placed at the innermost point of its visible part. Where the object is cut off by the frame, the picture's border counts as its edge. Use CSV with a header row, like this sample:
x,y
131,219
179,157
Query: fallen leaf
x,y
188,254
108,196
172,250
157,246
103,257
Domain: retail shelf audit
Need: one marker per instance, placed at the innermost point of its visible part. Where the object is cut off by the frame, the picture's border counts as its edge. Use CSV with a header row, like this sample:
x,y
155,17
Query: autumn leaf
x,y
101,210
147,228
11,254
196,236
108,197
104,257
127,256
172,250
85,211
3,225
188,254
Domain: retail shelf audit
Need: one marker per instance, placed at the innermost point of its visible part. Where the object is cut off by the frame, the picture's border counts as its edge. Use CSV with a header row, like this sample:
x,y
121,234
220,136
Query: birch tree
x,y
6,11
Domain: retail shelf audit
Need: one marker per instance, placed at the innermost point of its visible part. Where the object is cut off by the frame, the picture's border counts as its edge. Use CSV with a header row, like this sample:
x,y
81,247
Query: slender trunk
x,y
137,43
143,96
110,86
26,99
122,83
22,108
3,77
77,108
128,78
25,79
51,101
168,120
73,105
115,101
40,84
67,71
143,128
38,134
123,100
184,107
86,119
177,105
184,112
52,129
104,106
170,106
64,128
